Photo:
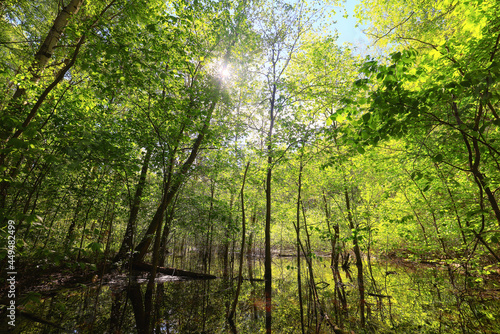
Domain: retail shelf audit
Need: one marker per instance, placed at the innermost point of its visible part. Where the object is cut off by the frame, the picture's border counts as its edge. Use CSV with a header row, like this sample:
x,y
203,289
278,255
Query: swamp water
x,y
401,298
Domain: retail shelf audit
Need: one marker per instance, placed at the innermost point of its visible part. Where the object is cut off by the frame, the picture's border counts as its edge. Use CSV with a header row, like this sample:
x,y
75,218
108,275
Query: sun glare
x,y
225,72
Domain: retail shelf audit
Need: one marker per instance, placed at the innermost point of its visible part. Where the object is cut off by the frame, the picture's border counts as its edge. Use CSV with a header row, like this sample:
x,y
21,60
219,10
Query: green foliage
x,y
410,139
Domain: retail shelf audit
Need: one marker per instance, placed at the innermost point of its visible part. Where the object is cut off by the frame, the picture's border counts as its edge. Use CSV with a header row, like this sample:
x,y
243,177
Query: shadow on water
x,y
402,298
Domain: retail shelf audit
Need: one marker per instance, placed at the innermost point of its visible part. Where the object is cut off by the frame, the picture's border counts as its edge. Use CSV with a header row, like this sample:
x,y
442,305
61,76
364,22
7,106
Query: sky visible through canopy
x,y
346,26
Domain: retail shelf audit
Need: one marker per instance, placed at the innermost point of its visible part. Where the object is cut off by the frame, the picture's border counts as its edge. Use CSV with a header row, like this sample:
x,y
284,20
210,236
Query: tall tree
x,y
436,92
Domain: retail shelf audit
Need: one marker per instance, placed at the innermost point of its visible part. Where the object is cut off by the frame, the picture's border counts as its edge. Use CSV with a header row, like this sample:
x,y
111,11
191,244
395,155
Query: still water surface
x,y
401,298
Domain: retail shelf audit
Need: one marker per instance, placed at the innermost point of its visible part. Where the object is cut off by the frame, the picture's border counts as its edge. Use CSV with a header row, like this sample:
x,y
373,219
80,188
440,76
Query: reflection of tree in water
x,y
409,299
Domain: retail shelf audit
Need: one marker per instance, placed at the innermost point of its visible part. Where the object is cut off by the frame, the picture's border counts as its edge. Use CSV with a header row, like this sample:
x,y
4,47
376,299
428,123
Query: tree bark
x,y
267,232
127,242
167,229
334,263
46,49
359,261
297,231
475,159
242,248
135,295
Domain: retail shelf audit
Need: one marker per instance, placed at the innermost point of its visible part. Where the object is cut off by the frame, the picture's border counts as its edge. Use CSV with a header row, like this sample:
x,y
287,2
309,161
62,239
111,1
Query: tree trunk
x,y
475,159
267,232
127,243
359,261
297,231
225,244
171,190
69,234
166,232
242,248
334,262
45,51
135,295
455,209
434,219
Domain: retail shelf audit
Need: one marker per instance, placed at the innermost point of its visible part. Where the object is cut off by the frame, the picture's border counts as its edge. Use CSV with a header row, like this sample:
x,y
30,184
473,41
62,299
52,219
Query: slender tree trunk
x,y
308,254
267,250
109,240
171,190
36,188
4,185
46,49
54,216
359,261
242,248
69,234
166,232
85,221
417,217
117,310
267,232
314,296
150,288
207,252
475,159
250,241
127,243
297,232
334,262
226,243
135,295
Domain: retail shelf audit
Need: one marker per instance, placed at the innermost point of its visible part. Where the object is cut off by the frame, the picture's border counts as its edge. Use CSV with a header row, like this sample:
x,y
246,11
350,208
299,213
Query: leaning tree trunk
x,y
127,242
170,190
39,63
474,159
167,229
46,49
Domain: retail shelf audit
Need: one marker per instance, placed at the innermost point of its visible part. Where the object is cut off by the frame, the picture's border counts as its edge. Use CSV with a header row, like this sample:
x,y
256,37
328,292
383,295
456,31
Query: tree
x,y
437,92
283,28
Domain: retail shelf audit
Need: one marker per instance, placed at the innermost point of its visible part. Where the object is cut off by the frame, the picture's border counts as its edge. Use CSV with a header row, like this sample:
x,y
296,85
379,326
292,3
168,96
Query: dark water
x,y
402,299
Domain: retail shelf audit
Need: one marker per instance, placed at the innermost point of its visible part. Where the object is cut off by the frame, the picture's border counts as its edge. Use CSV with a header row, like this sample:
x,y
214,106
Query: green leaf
x,y
366,117
95,246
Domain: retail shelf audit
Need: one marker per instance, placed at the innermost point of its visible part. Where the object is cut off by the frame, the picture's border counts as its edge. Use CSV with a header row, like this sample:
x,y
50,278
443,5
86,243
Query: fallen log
x,y
171,271
250,279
